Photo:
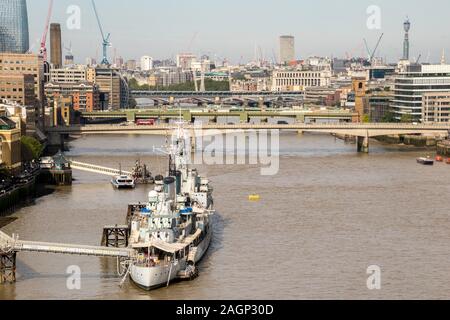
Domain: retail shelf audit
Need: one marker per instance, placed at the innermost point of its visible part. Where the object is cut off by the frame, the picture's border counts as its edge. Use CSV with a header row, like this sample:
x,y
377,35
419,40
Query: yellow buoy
x,y
254,197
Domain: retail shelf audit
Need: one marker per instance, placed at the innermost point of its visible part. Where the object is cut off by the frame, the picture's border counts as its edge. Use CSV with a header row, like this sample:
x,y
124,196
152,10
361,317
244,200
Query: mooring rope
x,y
126,273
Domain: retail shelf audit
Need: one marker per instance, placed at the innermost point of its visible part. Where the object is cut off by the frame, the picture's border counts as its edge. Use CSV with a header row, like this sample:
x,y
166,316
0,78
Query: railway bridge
x,y
221,97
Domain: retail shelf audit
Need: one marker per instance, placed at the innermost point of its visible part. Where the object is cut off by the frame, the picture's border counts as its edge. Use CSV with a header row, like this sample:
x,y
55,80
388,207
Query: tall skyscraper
x,y
407,27
287,49
14,37
55,45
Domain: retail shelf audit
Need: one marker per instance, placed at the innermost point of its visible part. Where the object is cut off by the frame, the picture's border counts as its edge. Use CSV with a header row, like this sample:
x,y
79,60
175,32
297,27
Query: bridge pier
x,y
131,116
115,236
363,144
187,116
261,103
55,140
244,117
7,267
300,118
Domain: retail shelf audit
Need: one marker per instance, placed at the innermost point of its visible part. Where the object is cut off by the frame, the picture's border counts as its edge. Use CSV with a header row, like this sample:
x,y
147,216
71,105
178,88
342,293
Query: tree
x,y
388,117
31,149
132,103
133,84
366,118
406,118
210,85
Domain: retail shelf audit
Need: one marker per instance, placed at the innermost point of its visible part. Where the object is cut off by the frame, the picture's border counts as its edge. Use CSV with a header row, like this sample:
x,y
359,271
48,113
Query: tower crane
x,y
43,49
69,55
105,40
372,54
418,59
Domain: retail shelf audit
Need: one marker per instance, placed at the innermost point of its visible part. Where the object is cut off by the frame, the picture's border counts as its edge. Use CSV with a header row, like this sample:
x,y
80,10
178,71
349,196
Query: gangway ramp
x,y
45,247
8,244
97,169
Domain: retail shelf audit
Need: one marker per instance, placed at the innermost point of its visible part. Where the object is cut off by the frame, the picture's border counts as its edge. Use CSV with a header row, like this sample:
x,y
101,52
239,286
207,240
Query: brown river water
x,y
322,220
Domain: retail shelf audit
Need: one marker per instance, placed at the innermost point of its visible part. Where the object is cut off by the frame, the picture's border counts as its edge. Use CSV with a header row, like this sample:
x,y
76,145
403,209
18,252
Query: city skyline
x,y
322,28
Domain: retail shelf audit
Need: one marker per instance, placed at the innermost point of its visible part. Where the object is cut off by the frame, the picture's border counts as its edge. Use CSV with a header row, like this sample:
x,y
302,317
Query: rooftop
x,y
7,124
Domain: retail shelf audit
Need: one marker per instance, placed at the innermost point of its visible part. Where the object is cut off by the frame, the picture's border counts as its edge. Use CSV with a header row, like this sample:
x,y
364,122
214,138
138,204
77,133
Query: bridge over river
x,y
221,97
362,131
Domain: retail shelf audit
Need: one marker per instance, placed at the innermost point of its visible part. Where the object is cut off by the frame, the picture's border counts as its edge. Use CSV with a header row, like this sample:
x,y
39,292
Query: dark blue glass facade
x,y
14,36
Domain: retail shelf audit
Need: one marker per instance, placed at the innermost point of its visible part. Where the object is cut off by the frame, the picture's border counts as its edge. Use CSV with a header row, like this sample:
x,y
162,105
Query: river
x,y
322,220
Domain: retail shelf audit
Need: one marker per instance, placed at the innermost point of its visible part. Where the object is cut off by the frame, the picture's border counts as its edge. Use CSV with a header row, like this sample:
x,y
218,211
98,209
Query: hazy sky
x,y
232,28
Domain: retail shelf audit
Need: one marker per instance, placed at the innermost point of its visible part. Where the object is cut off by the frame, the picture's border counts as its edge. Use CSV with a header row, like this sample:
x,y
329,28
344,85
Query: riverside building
x,y
413,83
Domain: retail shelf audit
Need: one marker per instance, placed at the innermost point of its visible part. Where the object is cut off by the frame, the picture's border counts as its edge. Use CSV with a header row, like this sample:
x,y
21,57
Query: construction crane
x,y
105,40
43,49
418,59
69,55
194,37
372,54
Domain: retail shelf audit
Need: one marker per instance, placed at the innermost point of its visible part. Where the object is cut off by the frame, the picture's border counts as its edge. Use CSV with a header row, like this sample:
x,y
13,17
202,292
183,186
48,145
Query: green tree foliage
x,y
132,103
366,118
31,148
134,85
406,118
388,117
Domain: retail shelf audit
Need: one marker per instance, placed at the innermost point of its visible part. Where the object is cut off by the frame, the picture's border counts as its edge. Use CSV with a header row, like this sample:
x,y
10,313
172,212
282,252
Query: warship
x,y
171,231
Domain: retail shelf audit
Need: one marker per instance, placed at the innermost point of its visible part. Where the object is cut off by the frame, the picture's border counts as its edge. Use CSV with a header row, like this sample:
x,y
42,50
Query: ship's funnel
x,y
170,188
178,178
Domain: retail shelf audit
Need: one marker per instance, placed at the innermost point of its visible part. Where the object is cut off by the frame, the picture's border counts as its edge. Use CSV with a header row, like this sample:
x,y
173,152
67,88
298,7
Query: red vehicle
x,y
147,122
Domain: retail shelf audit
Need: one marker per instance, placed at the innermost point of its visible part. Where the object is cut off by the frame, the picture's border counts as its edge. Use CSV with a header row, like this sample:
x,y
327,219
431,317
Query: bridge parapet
x,y
305,126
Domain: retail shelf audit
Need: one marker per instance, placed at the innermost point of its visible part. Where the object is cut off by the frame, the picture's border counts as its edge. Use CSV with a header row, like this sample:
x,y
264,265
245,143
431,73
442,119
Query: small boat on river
x,y
123,182
425,161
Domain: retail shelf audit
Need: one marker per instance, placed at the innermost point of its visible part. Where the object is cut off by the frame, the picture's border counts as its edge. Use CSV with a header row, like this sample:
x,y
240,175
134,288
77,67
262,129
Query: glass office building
x,y
14,26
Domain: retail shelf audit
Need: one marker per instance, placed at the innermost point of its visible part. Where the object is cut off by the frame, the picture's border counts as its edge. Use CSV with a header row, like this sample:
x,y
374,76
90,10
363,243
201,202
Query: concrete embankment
x,y
443,148
345,137
17,195
410,140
